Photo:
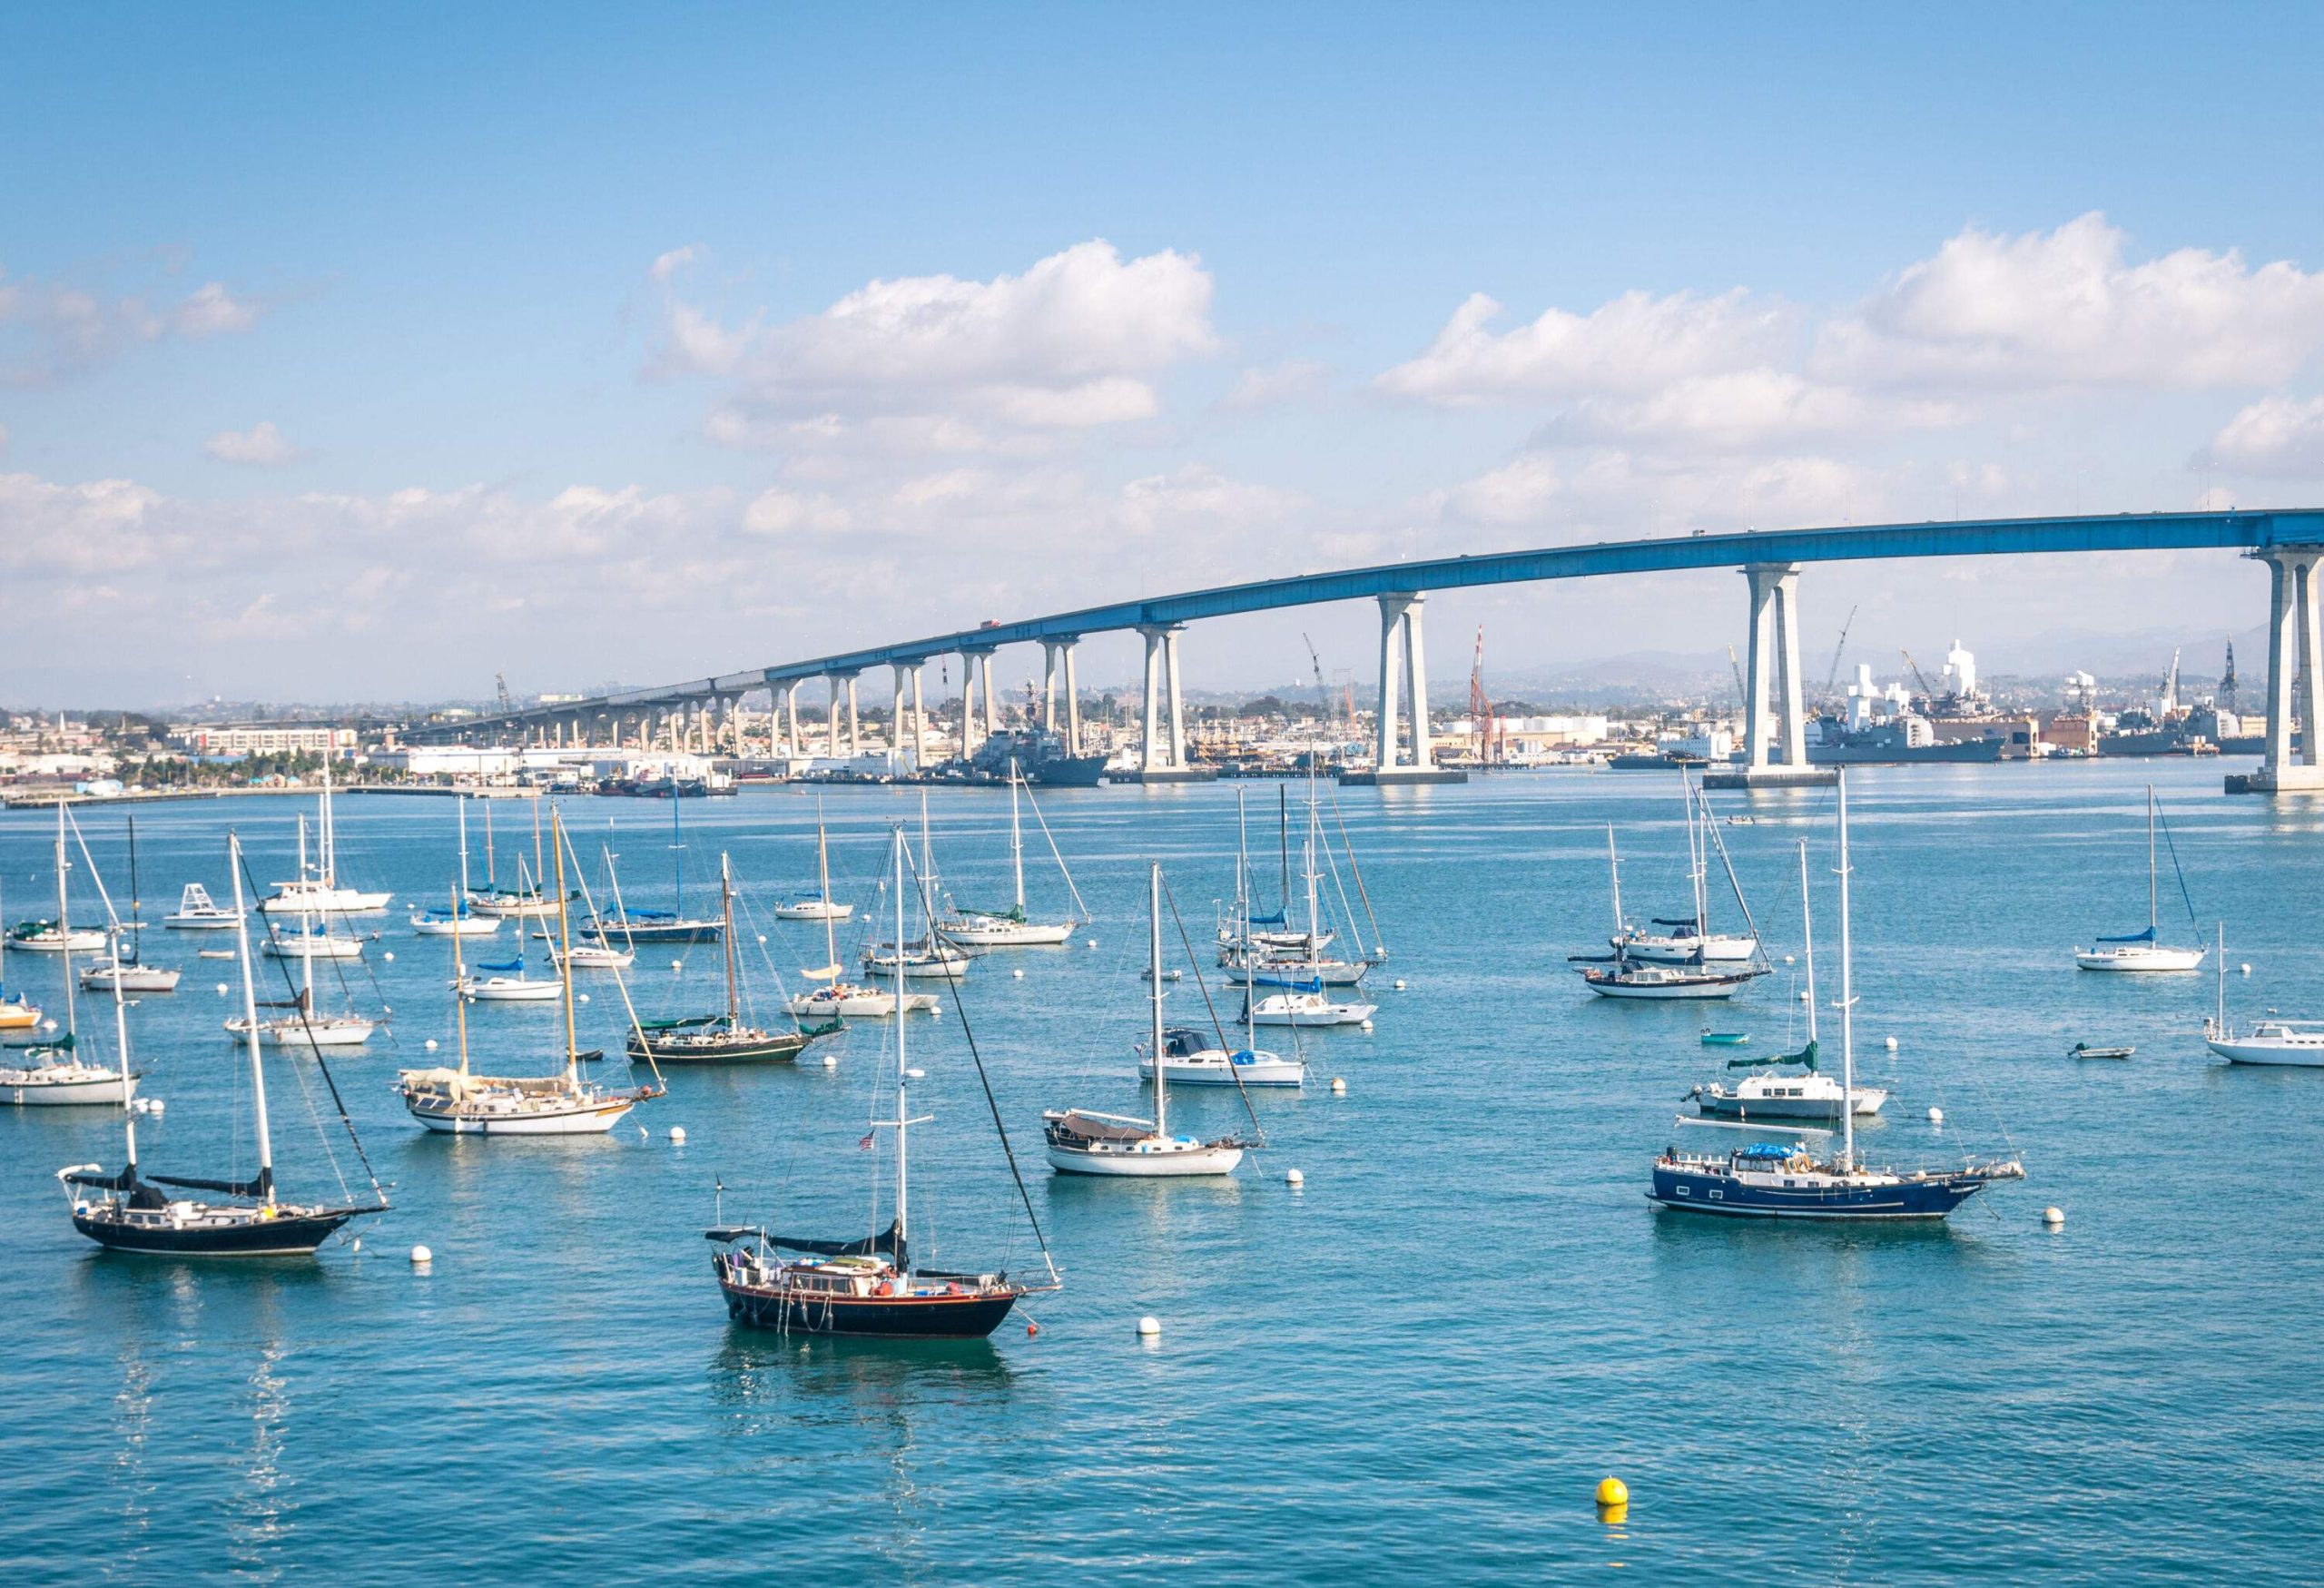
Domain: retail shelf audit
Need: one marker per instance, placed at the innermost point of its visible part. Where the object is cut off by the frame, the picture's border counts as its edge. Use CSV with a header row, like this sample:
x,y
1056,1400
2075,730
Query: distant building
x,y
261,738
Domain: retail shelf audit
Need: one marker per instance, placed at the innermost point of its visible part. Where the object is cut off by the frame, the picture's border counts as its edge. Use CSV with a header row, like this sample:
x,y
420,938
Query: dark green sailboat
x,y
722,1038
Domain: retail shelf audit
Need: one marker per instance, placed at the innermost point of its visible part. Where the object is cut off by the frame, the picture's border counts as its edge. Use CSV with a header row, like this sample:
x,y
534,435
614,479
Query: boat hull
x,y
2304,1056
70,1094
814,910
343,948
675,931
928,1318
2140,960
136,979
1652,992
773,1048
323,1034
1188,1164
512,992
585,1120
1010,935
325,902
289,1235
1262,1073
1900,1200
1816,1110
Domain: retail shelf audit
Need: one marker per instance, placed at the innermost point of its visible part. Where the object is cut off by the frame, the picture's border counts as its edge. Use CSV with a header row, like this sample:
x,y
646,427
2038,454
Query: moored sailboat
x,y
2143,950
126,968
54,1074
726,1038
318,891
1012,928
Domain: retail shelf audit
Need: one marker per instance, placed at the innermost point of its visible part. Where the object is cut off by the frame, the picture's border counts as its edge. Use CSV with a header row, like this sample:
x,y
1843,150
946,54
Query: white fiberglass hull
x,y
348,1032
325,902
862,1003
1680,950
511,989
223,921
585,958
2308,1054
73,1086
1146,1160
129,978
918,970
814,910
577,1119
2140,959
324,948
470,926
1654,991
1249,1069
1008,935
1330,1014
84,942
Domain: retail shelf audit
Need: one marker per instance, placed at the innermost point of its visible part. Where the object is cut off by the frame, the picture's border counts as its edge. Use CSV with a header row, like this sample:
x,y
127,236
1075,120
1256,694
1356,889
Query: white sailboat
x,y
833,996
2142,951
318,893
1011,928
1184,1056
1619,976
927,957
2297,1044
1083,1142
1691,941
125,970
458,1101
54,1074
460,920
821,907
524,903
509,981
299,1026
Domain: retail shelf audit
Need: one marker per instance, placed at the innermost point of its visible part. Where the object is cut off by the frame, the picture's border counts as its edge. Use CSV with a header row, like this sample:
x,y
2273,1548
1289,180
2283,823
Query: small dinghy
x,y
2086,1050
1727,1039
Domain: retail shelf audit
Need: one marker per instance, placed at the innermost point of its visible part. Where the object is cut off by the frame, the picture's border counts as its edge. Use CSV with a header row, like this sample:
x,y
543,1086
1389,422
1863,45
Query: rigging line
x,y
1354,866
1241,1091
1332,862
960,1007
2173,845
621,983
1078,901
378,1192
1712,821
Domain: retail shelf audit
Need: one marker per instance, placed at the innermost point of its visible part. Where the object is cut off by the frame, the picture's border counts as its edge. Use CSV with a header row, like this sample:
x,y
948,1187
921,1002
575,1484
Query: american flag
x,y
867,1141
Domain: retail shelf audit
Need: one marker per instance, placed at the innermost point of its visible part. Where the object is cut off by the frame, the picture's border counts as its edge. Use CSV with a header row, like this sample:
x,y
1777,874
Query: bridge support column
x,y
991,713
896,715
919,722
855,724
1401,644
1073,702
1774,666
794,742
969,736
1049,649
2295,675
831,718
1162,754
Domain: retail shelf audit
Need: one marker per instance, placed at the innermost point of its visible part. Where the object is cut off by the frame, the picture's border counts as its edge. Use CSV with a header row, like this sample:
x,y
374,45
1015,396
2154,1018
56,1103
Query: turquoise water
x,y
1420,1364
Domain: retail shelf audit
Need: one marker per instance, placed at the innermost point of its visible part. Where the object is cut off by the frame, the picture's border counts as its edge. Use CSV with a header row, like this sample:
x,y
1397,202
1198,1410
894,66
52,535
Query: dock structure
x,y
2289,541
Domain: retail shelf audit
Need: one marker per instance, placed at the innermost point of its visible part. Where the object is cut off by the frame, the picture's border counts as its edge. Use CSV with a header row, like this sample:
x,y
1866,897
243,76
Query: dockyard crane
x,y
1742,694
1918,677
1487,728
500,684
1832,679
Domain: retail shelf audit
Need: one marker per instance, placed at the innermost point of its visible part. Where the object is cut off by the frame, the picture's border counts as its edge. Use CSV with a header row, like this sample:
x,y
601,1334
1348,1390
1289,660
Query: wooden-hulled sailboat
x,y
461,1102
1770,1180
2143,950
1082,1142
870,1285
126,967
54,1074
727,1038
131,1211
1011,928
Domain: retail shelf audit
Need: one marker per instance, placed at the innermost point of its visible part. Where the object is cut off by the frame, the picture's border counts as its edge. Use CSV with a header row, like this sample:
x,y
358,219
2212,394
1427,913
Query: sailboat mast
x,y
330,835
538,870
1154,975
491,867
903,1113
565,949
1283,843
1614,870
136,910
823,884
1847,998
65,931
249,1025
2153,919
1242,864
2222,978
726,915
459,905
1016,837
459,997
1807,938
677,855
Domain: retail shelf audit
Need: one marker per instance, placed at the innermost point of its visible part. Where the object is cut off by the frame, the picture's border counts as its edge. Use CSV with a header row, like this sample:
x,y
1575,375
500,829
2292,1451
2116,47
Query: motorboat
x,y
1306,1007
197,912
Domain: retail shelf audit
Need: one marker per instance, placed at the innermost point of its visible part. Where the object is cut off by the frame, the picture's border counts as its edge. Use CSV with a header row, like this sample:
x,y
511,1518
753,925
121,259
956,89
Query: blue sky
x,y
435,341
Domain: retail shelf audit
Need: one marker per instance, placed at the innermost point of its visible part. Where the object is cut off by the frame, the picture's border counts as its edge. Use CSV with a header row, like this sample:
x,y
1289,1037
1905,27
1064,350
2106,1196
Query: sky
x,y
369,352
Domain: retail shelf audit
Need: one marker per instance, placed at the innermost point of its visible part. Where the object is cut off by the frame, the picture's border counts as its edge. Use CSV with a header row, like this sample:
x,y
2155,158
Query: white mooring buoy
x,y
2246,968
1400,984
421,1257
1294,1179
831,1062
1890,1043
2055,1217
388,955
1017,975
1339,1087
430,1044
1150,1326
1936,1116
677,1135
222,993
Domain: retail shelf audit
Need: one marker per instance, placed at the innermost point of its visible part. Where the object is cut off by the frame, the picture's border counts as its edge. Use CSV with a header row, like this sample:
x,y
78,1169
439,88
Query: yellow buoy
x,y
1614,1491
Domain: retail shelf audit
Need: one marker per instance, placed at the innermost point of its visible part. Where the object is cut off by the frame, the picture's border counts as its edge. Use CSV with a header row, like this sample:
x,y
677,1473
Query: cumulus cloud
x,y
2277,436
668,265
1073,341
53,330
2066,307
1628,493
262,446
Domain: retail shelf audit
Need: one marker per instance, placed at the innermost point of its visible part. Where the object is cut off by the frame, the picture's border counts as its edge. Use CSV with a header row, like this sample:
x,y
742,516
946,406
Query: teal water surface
x,y
1419,1364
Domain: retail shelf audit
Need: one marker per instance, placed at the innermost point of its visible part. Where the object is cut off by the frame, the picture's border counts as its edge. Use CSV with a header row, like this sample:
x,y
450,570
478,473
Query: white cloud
x,y
2064,308
3,441
52,331
2277,436
1626,494
263,445
1632,347
211,311
1073,341
669,264
778,512
1269,385
1740,410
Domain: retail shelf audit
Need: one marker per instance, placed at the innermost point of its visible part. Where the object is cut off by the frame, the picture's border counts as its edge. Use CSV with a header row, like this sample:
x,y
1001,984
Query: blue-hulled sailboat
x,y
1767,1179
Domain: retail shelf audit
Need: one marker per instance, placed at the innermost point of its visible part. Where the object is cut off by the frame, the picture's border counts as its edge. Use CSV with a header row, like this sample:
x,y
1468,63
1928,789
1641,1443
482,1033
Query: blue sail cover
x,y
1274,920
2146,936
1768,1151
516,965
634,914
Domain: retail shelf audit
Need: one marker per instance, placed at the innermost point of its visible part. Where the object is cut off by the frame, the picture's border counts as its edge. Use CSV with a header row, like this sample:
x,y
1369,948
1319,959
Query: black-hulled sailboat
x,y
631,926
728,1038
130,1212
1769,1180
869,1286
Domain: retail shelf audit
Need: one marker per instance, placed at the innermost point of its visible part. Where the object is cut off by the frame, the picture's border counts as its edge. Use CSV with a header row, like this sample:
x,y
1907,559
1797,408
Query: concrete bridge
x,y
2290,543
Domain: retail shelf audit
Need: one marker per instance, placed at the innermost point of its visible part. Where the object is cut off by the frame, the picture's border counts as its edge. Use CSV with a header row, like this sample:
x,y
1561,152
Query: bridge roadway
x,y
2290,541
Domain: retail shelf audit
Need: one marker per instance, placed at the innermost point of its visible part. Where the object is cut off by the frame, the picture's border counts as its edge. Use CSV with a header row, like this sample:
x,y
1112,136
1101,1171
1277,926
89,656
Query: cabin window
x,y
1686,1190
1719,1195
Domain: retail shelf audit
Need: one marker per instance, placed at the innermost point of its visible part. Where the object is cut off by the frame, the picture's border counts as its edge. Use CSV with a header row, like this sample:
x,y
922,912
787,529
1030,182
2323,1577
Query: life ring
x,y
883,1289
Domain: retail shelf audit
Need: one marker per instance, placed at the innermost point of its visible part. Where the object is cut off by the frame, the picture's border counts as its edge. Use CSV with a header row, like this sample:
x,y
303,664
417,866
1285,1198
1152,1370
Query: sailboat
x,y
868,1286
1081,1142
1184,1055
318,893
1769,1180
300,1026
657,926
1788,1086
461,1102
927,956
603,954
130,1212
197,911
313,939
1299,978
1293,962
1244,932
126,968
1010,928
458,921
821,907
524,901
721,1039
54,1074
834,997
508,982
2296,1044
1689,940
2142,951
1617,975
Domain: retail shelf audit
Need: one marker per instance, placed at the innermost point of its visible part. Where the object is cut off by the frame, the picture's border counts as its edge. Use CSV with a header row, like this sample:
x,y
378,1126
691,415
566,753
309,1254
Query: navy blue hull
x,y
1719,1194
291,1236
945,1317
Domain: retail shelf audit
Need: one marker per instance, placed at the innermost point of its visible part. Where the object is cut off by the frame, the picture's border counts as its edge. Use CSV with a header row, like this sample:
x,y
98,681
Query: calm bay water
x,y
1421,1363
